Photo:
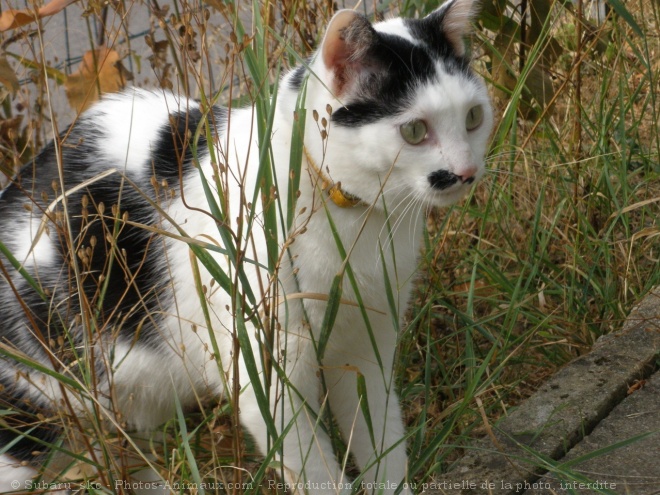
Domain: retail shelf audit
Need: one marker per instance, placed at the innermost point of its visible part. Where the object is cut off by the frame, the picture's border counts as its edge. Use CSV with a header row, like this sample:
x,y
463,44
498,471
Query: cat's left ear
x,y
454,19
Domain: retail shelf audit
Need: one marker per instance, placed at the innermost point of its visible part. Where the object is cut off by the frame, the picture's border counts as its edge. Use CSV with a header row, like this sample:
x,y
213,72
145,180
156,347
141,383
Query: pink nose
x,y
467,176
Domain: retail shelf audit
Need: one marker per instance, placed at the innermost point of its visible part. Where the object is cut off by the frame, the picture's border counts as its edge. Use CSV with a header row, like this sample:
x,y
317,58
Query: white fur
x,y
33,249
396,27
13,475
18,478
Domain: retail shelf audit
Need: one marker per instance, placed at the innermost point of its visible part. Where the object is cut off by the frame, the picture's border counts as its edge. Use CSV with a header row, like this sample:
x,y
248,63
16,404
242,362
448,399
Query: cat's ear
x,y
345,47
454,19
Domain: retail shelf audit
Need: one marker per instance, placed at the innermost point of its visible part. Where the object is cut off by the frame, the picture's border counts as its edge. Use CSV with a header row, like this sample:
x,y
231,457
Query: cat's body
x,y
154,341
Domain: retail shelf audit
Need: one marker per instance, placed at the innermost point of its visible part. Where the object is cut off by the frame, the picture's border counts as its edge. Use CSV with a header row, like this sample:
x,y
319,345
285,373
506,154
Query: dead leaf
x,y
160,50
216,4
100,69
637,385
11,19
12,140
7,75
159,60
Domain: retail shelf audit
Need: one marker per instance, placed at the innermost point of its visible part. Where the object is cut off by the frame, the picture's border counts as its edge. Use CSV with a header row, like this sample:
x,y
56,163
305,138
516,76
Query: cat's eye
x,y
414,132
474,117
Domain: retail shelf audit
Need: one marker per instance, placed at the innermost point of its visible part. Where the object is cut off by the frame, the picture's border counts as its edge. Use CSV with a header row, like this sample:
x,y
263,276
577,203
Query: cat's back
x,y
139,133
85,210
126,141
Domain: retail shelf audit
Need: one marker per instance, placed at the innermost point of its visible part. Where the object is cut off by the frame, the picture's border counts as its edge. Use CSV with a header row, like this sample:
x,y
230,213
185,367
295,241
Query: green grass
x,y
551,251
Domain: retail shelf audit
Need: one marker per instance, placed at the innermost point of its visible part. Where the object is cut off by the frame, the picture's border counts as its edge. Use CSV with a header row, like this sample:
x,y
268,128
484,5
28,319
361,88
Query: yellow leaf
x,y
100,69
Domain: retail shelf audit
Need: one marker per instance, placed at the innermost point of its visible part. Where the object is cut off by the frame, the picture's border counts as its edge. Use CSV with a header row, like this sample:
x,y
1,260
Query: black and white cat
x,y
396,123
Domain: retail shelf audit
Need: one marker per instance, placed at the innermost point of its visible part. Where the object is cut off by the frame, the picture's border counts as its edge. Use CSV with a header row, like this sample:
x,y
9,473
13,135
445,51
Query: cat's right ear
x,y
345,48
453,18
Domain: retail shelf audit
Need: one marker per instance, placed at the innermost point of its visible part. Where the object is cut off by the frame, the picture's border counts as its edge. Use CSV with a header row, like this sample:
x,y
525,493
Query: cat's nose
x,y
467,176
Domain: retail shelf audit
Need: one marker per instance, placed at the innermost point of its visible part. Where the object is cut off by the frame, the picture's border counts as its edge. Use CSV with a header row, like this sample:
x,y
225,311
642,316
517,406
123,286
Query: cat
x,y
395,122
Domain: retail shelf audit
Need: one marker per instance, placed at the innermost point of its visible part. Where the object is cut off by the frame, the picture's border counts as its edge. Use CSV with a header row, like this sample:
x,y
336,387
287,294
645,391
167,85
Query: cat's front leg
x,y
306,454
377,441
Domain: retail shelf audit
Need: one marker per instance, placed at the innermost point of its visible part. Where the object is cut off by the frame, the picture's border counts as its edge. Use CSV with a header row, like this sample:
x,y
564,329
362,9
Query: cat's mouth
x,y
446,188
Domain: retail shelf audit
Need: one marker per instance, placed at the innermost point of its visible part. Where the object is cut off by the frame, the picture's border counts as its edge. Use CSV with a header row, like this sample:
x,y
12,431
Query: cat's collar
x,y
333,189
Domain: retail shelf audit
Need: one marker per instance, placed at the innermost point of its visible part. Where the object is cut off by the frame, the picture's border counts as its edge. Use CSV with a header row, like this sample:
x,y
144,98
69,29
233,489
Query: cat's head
x,y
410,120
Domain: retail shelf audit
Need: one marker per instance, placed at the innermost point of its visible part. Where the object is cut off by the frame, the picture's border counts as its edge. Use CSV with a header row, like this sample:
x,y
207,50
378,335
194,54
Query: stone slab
x,y
562,413
633,468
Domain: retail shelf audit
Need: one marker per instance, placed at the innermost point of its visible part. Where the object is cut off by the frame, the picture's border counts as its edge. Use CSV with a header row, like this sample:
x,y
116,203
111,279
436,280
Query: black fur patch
x,y
428,31
181,141
25,428
297,78
398,67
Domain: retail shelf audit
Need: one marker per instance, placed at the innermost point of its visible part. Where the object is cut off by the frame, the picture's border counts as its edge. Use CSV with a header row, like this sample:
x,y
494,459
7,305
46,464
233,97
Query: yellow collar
x,y
333,190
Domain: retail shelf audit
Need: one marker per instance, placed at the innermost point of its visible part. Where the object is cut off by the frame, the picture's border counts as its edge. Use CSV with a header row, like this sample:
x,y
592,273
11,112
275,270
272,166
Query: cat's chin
x,y
442,199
